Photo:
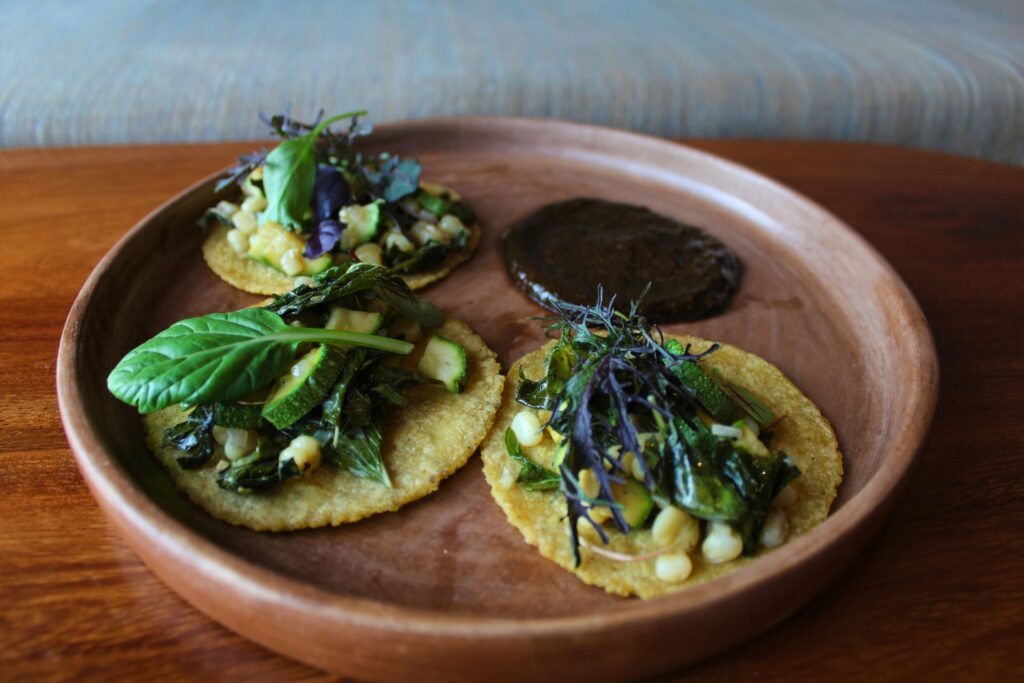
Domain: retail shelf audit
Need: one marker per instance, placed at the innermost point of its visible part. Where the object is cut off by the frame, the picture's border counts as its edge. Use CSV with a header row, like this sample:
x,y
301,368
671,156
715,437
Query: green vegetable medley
x,y
308,377
638,422
313,201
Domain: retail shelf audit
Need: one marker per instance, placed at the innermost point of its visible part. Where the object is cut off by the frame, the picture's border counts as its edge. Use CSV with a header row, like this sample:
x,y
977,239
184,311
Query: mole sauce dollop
x,y
565,250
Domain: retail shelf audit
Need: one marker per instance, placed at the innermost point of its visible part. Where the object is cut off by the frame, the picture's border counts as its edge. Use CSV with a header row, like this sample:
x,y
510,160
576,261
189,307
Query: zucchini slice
x,y
304,387
445,360
366,322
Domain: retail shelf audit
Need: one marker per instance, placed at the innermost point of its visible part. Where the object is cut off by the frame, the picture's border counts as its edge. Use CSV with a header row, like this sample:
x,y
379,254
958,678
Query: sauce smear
x,y
565,250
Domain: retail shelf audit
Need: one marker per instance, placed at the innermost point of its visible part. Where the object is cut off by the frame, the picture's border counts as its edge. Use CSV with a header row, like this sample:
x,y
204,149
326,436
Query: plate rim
x,y
150,529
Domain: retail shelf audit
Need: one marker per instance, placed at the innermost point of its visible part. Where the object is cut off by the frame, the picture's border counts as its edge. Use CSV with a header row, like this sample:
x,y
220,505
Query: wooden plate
x,y
445,589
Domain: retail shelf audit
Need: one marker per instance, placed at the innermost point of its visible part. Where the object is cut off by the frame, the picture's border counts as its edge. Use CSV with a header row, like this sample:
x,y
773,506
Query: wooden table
x,y
940,593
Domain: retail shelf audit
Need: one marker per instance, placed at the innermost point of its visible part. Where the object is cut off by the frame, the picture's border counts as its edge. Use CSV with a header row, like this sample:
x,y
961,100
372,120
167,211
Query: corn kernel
x,y
722,544
244,221
673,567
527,428
775,529
254,203
292,262
238,240
370,253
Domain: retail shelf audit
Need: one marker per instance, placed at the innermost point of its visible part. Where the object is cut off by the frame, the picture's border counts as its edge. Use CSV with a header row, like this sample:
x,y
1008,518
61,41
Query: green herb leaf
x,y
221,357
290,173
532,476
697,482
335,401
395,178
542,394
193,437
357,450
258,470
747,400
288,180
339,282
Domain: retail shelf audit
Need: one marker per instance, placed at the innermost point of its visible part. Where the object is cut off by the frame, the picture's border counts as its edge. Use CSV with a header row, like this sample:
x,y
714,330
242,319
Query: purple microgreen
x,y
330,192
240,171
323,237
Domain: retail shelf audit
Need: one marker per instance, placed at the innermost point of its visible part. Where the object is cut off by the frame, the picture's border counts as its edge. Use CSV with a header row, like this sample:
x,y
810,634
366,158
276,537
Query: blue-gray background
x,y
938,74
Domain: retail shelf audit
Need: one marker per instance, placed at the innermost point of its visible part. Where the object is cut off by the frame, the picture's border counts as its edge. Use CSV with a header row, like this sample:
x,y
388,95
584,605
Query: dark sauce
x,y
565,250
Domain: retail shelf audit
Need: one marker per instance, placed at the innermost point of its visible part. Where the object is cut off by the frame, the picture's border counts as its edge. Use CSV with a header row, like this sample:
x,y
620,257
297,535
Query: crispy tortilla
x,y
424,442
257,278
540,516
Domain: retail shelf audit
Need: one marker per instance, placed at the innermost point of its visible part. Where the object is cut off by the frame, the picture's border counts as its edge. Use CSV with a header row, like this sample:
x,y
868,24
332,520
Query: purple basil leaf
x,y
330,192
323,238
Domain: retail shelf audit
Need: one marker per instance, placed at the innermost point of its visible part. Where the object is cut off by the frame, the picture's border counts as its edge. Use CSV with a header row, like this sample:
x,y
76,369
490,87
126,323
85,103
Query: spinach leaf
x,y
290,173
387,382
339,282
193,437
221,357
532,476
395,178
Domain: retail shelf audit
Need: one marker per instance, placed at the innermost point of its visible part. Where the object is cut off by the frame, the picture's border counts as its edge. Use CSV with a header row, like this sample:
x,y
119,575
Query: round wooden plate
x,y
446,589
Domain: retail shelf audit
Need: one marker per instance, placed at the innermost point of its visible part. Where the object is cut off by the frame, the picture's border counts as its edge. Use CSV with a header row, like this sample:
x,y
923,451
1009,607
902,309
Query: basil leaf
x,y
290,173
221,357
288,181
532,476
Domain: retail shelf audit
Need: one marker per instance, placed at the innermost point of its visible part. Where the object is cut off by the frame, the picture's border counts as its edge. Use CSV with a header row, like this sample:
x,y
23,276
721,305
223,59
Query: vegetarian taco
x,y
345,397
313,202
645,463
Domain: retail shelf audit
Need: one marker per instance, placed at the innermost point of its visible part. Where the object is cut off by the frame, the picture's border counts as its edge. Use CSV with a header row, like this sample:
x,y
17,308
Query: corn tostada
x,y
647,463
314,201
344,397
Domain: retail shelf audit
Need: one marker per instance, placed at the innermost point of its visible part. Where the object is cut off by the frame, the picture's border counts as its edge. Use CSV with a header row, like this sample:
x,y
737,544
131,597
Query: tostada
x,y
344,397
647,463
314,201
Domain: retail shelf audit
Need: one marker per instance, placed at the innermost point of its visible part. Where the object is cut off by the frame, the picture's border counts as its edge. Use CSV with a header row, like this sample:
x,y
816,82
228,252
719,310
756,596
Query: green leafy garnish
x,y
357,450
221,357
532,477
289,174
340,282
260,469
395,178
193,437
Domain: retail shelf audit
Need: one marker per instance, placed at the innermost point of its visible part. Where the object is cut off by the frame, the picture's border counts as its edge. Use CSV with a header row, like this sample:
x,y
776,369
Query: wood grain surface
x,y
940,592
